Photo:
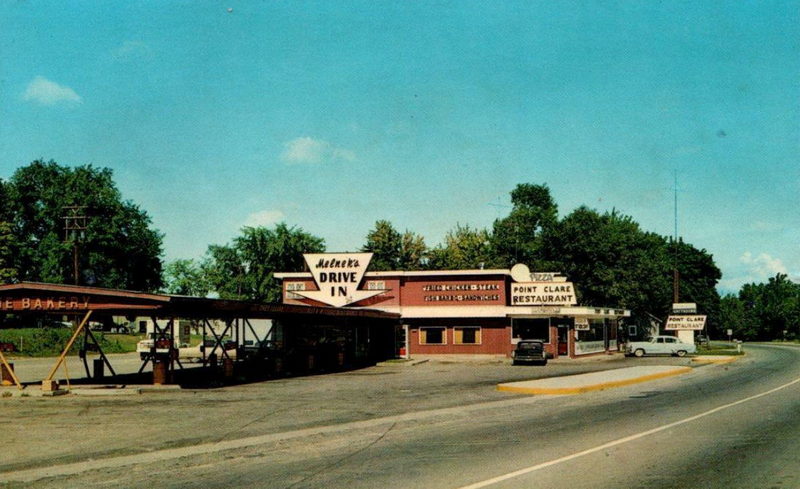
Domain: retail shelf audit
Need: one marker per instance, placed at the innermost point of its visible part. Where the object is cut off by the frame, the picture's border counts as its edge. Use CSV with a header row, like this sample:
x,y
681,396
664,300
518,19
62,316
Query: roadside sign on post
x,y
684,322
684,308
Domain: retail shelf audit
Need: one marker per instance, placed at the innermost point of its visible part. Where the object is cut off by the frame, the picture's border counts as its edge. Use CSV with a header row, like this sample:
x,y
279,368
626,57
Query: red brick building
x,y
473,311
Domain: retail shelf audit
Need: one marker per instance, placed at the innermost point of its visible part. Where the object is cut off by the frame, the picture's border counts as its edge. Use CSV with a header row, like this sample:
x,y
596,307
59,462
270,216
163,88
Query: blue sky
x,y
332,115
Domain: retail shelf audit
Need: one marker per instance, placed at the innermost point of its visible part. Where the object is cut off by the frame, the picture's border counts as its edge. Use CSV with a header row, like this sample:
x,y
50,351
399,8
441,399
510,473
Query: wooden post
x,y
10,370
69,345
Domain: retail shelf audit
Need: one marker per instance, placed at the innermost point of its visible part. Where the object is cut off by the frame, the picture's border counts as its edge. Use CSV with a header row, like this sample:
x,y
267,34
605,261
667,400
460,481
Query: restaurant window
x,y
432,336
467,335
531,329
594,333
376,285
290,286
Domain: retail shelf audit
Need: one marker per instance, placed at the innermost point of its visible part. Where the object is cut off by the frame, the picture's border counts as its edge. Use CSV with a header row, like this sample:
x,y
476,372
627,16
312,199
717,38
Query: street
x,y
435,425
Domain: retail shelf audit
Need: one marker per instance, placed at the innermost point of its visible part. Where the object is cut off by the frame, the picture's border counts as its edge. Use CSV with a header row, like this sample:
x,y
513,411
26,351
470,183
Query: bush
x,y
45,342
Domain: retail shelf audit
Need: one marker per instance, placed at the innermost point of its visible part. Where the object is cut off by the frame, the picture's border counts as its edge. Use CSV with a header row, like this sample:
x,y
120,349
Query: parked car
x,y
529,351
8,347
186,352
701,340
660,345
195,353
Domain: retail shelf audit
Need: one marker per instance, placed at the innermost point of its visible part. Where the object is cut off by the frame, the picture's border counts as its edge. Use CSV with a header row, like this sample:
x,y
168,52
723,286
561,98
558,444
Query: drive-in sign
x,y
338,276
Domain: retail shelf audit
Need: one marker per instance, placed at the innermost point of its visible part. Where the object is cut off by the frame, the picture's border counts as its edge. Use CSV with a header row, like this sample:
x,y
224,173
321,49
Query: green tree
x,y
8,273
118,248
186,277
463,248
413,252
698,278
394,251
770,309
613,262
385,243
732,316
518,237
245,269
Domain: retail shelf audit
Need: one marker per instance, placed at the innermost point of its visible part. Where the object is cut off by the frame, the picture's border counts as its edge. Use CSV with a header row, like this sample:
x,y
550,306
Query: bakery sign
x,y
338,278
59,303
555,291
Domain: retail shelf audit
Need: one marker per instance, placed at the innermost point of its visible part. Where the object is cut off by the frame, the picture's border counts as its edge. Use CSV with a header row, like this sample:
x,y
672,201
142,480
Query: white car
x,y
204,349
660,345
191,353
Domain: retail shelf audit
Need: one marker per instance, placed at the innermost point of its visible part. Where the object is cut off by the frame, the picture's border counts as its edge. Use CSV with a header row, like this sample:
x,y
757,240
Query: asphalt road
x,y
443,426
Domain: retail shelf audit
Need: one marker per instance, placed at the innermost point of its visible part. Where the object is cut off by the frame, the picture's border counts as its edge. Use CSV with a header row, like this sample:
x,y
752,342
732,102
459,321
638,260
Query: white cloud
x,y
46,92
763,266
263,218
131,49
309,150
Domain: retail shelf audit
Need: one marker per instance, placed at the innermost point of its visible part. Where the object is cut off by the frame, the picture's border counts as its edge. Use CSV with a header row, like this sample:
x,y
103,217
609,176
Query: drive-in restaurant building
x,y
460,311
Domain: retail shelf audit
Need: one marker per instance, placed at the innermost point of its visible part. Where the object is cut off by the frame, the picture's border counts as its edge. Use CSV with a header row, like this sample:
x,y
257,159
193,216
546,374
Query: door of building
x,y
563,339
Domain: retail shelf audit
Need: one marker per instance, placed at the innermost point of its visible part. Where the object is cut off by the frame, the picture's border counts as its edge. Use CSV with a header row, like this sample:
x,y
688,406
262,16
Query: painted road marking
x,y
534,468
159,456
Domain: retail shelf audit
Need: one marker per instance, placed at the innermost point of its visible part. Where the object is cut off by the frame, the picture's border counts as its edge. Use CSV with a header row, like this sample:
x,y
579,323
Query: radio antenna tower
x,y
675,274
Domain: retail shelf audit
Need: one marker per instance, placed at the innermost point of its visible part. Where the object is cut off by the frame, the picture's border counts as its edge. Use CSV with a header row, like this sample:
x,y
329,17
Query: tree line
x,y
611,260
763,311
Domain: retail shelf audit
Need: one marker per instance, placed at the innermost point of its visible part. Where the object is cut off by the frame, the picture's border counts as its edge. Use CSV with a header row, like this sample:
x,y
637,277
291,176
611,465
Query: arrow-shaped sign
x,y
338,276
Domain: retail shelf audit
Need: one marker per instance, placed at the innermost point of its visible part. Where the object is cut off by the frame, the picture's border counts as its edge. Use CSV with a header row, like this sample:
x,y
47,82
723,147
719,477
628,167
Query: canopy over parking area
x,y
340,335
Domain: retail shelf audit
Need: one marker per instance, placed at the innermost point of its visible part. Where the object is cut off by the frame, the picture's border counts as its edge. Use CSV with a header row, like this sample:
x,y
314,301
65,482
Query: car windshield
x,y
528,346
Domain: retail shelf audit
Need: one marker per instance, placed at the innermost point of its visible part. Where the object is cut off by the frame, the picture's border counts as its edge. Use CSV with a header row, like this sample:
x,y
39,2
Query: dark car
x,y
529,351
7,347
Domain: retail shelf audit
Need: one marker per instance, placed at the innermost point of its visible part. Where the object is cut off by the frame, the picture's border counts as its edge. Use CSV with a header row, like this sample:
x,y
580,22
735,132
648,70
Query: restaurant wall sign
x,y
338,277
529,289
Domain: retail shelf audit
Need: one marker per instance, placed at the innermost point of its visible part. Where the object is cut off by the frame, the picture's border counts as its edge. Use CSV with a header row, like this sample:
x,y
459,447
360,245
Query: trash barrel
x,y
227,367
159,372
98,368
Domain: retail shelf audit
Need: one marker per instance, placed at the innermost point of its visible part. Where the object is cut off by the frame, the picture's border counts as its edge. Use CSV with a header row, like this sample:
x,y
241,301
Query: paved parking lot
x,y
67,428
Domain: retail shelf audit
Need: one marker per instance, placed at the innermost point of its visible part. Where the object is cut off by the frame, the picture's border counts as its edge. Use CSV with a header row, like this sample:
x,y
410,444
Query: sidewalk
x,y
577,384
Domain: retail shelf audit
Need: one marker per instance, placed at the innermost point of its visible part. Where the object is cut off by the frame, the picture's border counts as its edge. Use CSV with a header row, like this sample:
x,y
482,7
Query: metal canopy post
x,y
69,345
218,338
262,343
100,351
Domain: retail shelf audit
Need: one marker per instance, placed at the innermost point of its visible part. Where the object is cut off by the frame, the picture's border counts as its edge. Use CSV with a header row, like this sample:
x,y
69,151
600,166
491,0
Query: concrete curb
x,y
106,392
716,358
34,392
583,383
407,363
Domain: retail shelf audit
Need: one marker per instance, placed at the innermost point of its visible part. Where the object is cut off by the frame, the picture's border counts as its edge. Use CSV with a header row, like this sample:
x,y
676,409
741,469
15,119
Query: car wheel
x,y
639,353
514,362
143,356
681,353
543,362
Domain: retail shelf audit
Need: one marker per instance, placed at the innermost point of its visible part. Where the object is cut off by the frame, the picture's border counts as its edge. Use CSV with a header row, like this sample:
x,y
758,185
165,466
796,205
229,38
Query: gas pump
x,y
163,354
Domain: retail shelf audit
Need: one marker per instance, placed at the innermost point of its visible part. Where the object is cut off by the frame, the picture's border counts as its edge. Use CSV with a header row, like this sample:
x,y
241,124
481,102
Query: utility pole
x,y
74,231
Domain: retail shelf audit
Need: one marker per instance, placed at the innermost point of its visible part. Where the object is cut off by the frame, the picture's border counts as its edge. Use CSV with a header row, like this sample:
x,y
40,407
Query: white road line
x,y
534,468
158,456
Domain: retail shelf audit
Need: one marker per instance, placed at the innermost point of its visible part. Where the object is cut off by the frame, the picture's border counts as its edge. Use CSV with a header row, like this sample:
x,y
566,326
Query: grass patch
x,y
46,342
719,349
